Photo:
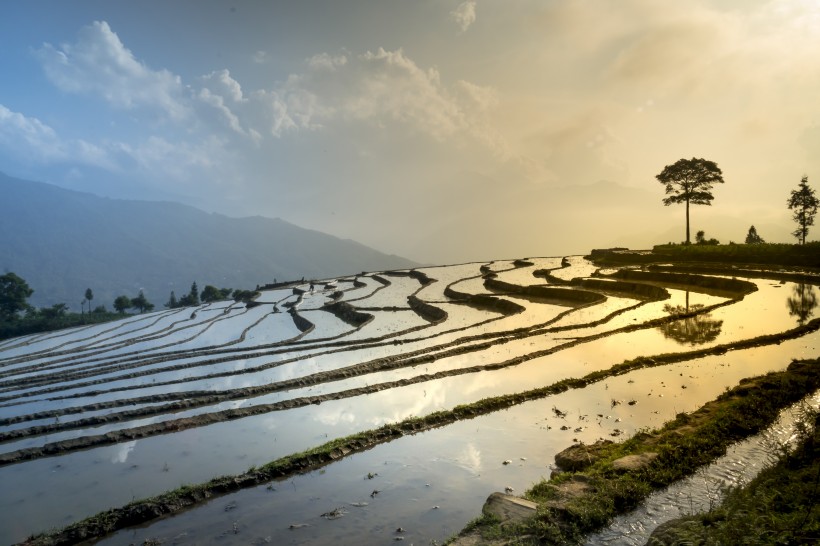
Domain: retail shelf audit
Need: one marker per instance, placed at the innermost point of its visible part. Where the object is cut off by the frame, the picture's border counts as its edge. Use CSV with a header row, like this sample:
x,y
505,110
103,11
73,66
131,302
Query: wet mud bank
x,y
558,296
596,482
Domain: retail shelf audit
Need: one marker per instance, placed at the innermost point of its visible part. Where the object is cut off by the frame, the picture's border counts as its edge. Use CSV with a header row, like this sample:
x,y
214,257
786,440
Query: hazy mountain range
x,y
62,242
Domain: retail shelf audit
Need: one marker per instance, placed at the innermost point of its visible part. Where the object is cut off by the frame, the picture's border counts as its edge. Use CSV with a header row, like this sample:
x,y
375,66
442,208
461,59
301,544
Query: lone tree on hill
x,y
690,181
804,204
89,295
752,238
14,292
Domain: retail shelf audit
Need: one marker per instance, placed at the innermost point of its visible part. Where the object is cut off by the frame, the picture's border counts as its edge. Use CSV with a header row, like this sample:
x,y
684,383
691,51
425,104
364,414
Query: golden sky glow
x,y
443,131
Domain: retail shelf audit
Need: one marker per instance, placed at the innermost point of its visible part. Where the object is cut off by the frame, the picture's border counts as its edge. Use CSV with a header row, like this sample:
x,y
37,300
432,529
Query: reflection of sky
x,y
122,451
233,446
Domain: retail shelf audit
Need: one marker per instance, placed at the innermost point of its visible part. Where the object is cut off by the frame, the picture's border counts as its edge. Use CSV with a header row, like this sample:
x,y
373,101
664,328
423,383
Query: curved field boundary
x,y
176,425
532,330
695,283
551,294
803,380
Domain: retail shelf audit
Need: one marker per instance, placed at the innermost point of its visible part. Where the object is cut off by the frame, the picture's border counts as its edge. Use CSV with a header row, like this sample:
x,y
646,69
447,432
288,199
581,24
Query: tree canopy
x,y
14,292
141,303
210,294
121,303
752,237
804,204
690,181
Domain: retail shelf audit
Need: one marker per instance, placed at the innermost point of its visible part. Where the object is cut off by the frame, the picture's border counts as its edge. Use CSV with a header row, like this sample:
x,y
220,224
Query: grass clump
x,y
779,506
574,504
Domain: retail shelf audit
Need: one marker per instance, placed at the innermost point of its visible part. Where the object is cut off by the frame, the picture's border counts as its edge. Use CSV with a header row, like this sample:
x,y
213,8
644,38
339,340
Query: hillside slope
x,y
62,242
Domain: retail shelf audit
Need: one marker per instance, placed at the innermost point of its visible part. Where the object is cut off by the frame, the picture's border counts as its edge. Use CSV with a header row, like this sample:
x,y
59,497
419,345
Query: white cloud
x,y
221,83
99,64
464,15
326,61
32,140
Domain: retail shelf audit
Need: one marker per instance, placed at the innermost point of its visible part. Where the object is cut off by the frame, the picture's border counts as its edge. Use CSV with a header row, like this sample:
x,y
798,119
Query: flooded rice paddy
x,y
96,417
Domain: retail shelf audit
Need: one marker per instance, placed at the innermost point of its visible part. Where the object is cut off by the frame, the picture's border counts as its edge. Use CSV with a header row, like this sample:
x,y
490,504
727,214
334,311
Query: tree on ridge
x,y
14,292
804,204
89,295
690,181
752,238
121,303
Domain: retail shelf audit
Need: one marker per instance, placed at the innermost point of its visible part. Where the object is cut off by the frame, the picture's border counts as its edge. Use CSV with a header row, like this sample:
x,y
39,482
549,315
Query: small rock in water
x,y
400,530
374,493
297,525
508,461
509,489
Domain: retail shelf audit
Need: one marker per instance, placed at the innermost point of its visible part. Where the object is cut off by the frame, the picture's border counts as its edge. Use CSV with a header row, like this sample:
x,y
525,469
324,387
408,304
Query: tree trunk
x,y
687,222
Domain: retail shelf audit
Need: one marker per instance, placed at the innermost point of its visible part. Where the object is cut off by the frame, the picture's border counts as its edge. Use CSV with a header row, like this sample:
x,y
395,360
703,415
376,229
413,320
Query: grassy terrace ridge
x,y
776,255
573,504
145,510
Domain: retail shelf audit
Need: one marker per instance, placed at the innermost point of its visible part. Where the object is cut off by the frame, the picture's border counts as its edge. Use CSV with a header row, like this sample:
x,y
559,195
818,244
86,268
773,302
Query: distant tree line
x,y
18,317
209,294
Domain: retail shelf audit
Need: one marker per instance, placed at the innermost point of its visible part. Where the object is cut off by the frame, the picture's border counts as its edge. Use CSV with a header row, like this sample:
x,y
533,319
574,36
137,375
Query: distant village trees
x,y
141,303
690,181
211,293
190,299
121,304
14,292
804,204
193,298
752,237
89,295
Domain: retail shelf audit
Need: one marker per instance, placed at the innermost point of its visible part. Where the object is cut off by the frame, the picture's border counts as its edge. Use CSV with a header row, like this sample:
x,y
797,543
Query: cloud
x,y
99,64
30,139
464,15
260,57
326,61
221,83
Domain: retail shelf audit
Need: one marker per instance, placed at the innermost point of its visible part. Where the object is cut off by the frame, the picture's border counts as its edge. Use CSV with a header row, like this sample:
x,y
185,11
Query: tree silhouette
x,y
752,238
14,292
89,295
122,303
210,294
802,302
693,327
172,301
141,303
804,204
690,181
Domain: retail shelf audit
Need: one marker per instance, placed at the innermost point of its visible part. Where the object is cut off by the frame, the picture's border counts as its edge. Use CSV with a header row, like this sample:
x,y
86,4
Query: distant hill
x,y
62,242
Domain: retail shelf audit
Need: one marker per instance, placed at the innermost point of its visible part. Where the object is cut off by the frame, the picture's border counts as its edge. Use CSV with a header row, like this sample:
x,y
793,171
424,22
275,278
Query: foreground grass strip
x,y
777,507
174,501
573,504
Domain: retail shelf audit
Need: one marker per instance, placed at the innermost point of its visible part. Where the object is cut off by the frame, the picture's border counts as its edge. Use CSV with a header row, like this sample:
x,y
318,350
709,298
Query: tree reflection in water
x,y
692,328
802,302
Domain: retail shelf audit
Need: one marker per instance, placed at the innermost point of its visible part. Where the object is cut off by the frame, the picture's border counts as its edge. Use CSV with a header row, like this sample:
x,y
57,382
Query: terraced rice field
x,y
96,417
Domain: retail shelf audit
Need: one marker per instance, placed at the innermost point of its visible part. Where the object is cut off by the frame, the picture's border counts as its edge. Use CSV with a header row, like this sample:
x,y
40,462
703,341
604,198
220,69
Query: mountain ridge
x,y
63,241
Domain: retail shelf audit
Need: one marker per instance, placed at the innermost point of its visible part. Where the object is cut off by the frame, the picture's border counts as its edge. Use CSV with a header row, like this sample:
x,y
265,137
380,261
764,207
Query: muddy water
x,y
461,463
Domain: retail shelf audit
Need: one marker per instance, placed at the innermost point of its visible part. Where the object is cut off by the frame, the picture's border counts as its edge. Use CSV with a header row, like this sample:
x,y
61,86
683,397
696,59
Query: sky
x,y
443,131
